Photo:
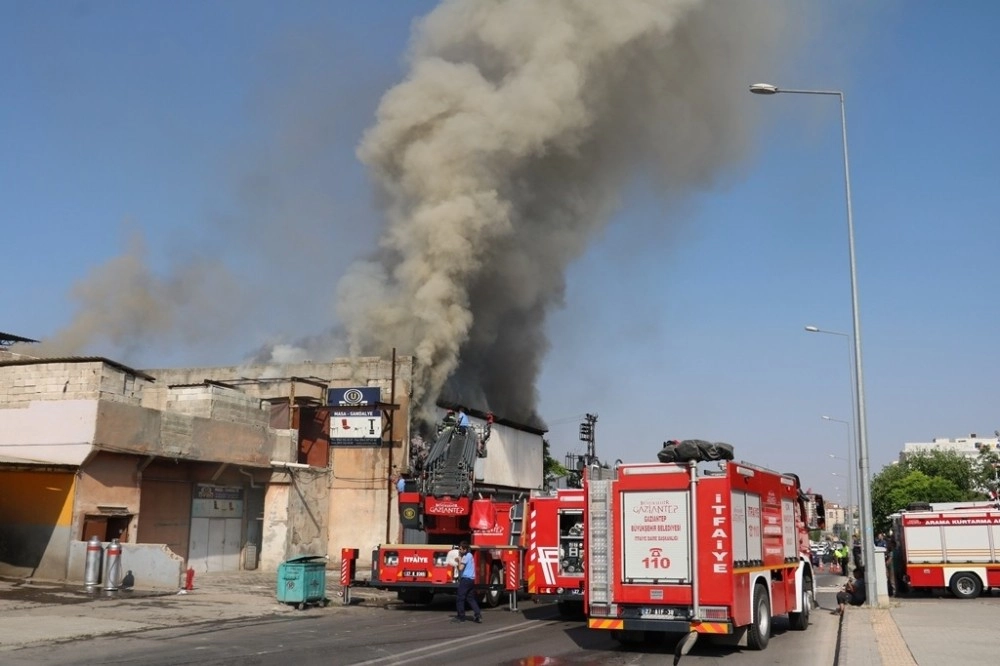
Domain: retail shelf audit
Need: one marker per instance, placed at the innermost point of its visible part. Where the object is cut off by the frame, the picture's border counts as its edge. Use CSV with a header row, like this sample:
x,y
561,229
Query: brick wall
x,y
21,384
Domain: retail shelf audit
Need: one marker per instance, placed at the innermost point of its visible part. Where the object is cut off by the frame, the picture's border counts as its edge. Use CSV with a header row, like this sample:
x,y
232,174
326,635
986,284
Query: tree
x,y
552,469
935,476
986,471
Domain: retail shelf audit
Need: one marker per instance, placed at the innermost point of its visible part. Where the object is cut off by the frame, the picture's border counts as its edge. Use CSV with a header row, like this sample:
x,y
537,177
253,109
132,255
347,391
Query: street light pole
x,y
850,365
864,490
850,496
852,469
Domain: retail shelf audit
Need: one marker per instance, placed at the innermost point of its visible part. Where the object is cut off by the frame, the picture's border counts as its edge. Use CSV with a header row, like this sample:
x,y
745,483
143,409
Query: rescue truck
x,y
553,545
691,548
957,547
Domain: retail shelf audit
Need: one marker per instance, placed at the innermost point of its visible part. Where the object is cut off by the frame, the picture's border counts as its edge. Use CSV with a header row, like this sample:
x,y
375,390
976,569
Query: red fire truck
x,y
957,548
532,546
553,545
687,548
445,506
416,572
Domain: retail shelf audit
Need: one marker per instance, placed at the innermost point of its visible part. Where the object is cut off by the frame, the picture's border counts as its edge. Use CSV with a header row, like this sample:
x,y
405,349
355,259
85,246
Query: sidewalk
x,y
36,611
869,637
926,630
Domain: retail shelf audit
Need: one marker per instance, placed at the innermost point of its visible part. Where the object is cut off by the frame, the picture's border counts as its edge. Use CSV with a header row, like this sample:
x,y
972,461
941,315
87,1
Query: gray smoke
x,y
124,309
503,152
496,162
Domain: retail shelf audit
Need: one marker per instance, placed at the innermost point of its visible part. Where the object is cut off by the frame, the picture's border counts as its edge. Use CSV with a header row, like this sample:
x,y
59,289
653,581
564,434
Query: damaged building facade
x,y
229,468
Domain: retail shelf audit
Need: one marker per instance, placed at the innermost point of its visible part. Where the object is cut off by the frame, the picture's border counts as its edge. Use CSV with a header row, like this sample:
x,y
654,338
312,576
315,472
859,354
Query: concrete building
x,y
967,446
338,489
836,517
80,456
228,467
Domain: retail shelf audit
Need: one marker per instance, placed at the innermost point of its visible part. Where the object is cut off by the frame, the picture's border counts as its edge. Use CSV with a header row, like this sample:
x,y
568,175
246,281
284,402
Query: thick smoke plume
x,y
496,161
502,153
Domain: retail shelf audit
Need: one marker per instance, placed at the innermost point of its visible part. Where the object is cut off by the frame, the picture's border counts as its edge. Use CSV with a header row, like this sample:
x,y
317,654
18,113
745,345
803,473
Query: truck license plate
x,y
657,612
415,574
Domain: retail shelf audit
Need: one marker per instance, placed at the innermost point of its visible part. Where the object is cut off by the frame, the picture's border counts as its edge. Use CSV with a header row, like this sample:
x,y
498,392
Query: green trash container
x,y
302,581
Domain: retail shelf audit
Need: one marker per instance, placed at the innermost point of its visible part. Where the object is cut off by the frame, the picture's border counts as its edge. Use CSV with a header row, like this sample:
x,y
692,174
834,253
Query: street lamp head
x,y
827,418
764,89
812,329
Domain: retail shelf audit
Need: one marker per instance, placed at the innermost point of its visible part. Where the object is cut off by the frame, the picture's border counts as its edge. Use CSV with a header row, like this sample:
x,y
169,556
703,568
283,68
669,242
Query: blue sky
x,y
194,126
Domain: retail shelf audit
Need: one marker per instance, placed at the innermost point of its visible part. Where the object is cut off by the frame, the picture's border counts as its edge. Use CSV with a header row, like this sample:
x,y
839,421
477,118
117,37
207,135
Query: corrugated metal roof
x,y
10,338
79,359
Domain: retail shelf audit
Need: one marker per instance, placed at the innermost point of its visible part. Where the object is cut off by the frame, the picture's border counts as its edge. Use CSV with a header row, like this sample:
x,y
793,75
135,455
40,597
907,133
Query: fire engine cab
x,y
957,548
693,548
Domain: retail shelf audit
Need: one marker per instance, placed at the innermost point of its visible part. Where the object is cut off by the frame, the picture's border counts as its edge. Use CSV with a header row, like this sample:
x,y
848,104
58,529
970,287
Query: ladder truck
x,y
447,506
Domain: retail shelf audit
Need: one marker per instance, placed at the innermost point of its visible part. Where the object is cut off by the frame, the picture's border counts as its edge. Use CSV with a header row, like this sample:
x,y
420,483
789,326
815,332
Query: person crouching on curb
x,y
854,592
466,570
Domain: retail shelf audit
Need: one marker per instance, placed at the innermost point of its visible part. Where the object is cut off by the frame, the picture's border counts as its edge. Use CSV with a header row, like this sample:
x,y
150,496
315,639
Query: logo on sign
x,y
354,396
656,559
548,557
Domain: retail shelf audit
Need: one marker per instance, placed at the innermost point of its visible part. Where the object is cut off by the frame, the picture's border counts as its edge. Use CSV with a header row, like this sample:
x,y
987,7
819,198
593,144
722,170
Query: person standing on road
x,y
890,565
466,569
842,555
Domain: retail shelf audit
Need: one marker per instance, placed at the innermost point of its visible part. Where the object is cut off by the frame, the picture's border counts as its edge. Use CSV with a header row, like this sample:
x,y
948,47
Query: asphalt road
x,y
368,636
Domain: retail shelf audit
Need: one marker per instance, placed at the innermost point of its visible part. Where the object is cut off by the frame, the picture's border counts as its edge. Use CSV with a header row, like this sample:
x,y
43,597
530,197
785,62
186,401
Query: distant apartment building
x,y
969,446
836,517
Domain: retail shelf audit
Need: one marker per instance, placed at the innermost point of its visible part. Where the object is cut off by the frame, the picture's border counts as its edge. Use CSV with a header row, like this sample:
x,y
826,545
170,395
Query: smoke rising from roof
x,y
496,162
502,153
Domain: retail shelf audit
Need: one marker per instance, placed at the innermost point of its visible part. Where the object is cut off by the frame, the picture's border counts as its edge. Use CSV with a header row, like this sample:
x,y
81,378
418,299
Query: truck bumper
x,y
663,626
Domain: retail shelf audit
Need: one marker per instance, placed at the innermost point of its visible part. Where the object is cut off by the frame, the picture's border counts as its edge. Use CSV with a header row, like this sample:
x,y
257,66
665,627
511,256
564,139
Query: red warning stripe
x,y
595,623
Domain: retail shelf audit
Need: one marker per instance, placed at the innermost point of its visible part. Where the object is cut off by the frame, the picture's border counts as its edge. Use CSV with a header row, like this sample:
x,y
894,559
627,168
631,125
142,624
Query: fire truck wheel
x,y
966,585
760,629
800,621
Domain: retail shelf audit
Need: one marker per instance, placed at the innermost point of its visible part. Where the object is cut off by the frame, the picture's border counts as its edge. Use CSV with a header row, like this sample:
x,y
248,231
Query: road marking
x,y
437,649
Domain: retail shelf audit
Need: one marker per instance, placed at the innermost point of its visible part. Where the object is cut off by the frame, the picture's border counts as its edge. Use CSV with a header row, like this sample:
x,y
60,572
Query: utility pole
x,y
587,434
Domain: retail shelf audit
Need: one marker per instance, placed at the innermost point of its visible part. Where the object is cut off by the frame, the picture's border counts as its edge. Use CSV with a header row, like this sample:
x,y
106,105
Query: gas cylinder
x,y
113,571
92,568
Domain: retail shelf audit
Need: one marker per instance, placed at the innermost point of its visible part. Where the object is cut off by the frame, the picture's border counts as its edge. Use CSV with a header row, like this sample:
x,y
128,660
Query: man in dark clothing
x,y
854,592
466,570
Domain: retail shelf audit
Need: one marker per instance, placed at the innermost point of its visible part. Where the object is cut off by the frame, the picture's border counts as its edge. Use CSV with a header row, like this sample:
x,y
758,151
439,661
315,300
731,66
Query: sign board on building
x,y
217,501
355,419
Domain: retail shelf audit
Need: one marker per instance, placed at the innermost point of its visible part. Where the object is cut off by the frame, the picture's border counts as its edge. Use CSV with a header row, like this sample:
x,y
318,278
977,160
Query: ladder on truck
x,y
598,542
